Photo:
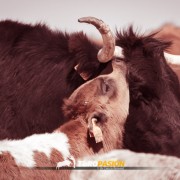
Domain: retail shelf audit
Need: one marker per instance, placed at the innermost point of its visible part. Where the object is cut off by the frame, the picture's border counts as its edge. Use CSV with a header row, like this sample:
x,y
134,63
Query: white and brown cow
x,y
95,126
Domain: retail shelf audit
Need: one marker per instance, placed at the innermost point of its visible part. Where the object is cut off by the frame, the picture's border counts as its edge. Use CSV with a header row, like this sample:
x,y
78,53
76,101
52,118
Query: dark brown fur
x,y
37,73
153,124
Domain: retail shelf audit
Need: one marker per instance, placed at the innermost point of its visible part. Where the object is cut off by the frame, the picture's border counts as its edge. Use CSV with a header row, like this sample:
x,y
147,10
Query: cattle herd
x,y
64,97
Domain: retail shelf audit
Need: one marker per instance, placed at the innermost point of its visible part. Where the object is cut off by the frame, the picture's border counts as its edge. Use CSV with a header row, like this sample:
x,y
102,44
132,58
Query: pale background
x,y
145,15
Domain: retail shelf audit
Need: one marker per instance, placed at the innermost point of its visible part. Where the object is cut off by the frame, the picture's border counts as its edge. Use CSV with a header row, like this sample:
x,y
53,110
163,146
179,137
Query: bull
x,y
40,67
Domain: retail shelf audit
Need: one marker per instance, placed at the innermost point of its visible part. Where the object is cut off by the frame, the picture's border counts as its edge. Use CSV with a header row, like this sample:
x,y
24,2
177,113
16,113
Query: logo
x,y
101,164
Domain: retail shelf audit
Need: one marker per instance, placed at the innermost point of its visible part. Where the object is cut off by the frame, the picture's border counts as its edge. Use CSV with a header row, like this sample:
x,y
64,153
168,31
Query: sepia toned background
x,y
145,15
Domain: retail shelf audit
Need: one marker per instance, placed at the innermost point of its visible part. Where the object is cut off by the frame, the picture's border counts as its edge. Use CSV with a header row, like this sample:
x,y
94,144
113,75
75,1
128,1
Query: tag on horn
x,y
84,75
96,131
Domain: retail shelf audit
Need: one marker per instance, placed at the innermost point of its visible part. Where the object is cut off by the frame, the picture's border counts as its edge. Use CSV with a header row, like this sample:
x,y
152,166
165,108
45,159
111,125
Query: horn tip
x,y
84,19
80,20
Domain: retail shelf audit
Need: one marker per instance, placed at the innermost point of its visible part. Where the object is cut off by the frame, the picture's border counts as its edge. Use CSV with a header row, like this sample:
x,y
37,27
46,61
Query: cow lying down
x,y
160,167
93,114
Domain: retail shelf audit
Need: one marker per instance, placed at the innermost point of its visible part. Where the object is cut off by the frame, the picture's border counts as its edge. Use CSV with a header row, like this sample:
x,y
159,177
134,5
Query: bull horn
x,y
107,52
172,59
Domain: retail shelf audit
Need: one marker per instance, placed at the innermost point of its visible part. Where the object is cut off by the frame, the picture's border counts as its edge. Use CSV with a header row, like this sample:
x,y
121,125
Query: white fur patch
x,y
23,150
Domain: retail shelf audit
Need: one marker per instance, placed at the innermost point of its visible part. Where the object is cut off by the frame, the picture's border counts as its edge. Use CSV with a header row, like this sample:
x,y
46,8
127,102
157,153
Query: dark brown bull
x,y
38,69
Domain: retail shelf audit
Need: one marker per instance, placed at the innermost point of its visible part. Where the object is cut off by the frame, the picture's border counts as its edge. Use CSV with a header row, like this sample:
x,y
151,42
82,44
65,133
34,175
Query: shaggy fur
x,y
37,73
153,124
166,167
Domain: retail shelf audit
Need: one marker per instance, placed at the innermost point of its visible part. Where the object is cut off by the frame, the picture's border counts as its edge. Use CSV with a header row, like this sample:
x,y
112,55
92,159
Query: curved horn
x,y
107,52
172,59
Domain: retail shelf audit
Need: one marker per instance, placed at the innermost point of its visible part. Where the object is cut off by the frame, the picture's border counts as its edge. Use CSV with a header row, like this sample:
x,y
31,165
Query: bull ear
x,y
84,54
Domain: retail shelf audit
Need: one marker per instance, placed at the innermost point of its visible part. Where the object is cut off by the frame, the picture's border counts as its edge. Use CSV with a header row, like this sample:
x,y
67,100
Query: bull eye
x,y
105,87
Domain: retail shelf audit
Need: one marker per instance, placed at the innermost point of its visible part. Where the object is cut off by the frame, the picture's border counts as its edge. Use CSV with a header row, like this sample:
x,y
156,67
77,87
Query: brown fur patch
x,y
9,169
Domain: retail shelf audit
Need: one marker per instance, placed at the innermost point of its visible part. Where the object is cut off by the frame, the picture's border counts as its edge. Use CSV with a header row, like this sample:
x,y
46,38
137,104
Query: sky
x,y
145,15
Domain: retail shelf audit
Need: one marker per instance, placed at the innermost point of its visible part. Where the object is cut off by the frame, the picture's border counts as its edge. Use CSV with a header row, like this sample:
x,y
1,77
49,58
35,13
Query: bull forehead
x,y
89,88
90,97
